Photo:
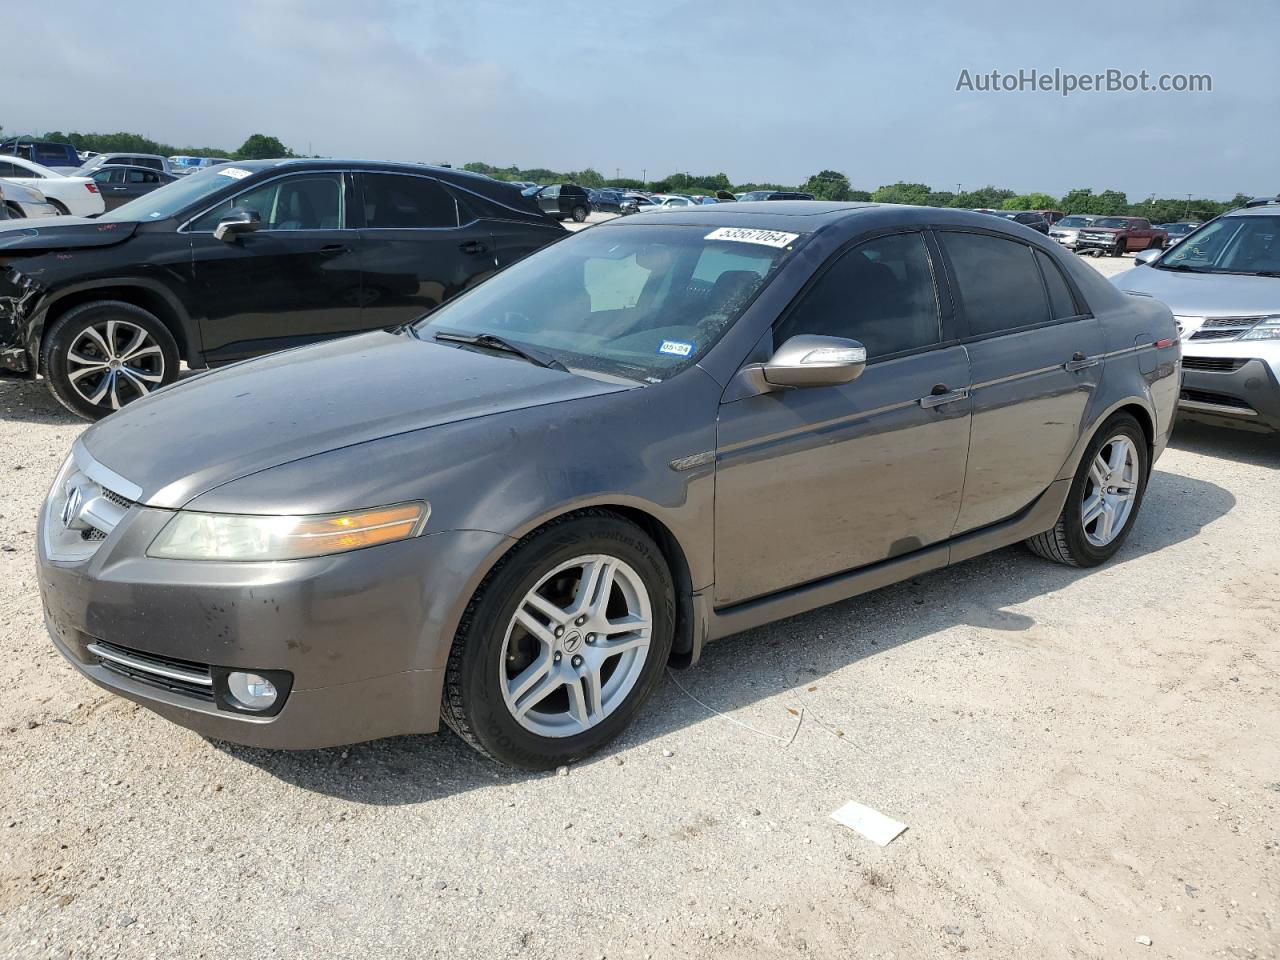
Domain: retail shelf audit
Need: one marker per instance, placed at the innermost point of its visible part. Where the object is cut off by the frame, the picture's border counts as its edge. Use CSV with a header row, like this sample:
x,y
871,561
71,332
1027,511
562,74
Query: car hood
x,y
1204,294
221,426
63,233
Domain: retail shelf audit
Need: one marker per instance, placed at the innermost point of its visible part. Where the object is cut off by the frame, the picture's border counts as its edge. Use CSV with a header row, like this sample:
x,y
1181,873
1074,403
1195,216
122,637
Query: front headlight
x,y
1268,329
225,536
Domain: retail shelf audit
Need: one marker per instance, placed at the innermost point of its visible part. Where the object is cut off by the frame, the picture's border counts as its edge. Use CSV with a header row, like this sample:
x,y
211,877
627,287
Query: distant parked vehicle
x,y
774,195
182,165
607,201
26,203
1067,230
561,200
59,157
1222,283
1117,236
77,196
120,184
1180,231
127,159
641,201
672,201
1053,216
1028,218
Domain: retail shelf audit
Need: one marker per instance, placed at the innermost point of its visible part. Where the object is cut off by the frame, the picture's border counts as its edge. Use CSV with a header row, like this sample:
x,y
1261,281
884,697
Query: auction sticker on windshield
x,y
770,238
235,173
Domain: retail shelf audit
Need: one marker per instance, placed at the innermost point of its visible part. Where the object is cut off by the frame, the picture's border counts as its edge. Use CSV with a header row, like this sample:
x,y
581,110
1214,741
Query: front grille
x,y
1215,364
1224,328
115,498
1220,399
168,673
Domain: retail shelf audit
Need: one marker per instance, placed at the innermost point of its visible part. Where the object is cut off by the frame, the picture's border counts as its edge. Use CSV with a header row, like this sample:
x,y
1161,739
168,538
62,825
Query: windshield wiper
x,y
491,341
1186,267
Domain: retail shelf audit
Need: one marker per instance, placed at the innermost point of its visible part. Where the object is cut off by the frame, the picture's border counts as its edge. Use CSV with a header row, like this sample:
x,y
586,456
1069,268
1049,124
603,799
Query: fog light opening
x,y
251,691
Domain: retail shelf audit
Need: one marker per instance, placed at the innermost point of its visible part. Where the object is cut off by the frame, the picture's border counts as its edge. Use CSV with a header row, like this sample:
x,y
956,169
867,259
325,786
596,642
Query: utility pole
x,y
617,173
1187,212
644,178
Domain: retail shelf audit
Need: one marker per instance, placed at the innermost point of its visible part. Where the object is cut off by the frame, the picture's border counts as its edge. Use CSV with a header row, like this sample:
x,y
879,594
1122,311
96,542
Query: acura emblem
x,y
71,509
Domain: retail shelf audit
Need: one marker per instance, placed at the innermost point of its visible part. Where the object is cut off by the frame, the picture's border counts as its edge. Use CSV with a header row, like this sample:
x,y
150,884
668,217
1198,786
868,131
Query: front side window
x,y
998,281
305,202
393,200
637,302
880,293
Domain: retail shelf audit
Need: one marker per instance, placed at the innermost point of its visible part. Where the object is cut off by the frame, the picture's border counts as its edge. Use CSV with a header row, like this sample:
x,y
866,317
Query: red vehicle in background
x,y
1120,235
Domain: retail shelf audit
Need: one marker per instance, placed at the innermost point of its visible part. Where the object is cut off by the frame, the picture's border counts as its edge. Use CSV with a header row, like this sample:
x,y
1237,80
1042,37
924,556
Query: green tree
x,y
986,197
1111,203
1030,201
901,192
261,147
828,185
1080,200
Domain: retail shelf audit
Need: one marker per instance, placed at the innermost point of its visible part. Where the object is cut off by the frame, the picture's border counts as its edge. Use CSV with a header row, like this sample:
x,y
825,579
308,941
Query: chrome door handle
x,y
938,399
1080,362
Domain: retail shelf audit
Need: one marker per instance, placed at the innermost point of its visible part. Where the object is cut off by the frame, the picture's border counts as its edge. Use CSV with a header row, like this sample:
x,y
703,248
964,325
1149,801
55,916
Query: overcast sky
x,y
763,91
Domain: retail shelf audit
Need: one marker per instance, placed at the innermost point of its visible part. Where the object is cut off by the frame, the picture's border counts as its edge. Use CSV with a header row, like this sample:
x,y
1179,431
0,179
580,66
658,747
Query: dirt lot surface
x,y
1087,761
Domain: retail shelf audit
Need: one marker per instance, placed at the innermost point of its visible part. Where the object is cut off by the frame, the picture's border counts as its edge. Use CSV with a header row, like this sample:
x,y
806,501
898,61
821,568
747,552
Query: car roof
x,y
1262,210
810,216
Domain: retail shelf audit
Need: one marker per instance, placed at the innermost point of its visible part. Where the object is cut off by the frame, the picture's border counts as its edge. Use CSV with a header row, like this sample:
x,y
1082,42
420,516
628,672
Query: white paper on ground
x,y
872,824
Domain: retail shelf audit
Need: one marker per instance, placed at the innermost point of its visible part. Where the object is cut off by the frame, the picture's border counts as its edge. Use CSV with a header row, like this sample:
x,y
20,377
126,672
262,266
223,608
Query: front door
x,y
294,280
814,482
417,250
1036,361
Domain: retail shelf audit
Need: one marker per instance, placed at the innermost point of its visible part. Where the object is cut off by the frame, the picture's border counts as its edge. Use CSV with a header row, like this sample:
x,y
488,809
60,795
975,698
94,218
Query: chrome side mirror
x,y
1146,256
814,361
239,220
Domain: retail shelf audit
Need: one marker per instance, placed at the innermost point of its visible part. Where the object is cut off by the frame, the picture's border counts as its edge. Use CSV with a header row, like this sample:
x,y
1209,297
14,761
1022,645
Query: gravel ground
x,y
1086,762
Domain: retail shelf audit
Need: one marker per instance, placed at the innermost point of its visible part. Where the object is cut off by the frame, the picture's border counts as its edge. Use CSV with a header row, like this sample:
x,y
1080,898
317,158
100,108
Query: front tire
x,y
562,643
1105,497
101,356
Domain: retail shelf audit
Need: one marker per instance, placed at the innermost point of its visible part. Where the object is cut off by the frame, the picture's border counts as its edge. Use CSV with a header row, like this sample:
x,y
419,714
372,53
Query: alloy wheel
x,y
114,362
576,646
1111,490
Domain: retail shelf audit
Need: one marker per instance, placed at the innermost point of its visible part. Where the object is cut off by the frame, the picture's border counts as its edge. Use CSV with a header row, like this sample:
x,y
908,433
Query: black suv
x,y
241,260
1028,218
561,200
775,195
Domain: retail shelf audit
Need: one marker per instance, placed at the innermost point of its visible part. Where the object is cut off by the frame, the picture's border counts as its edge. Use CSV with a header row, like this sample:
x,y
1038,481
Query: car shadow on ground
x,y
741,670
29,401
1243,446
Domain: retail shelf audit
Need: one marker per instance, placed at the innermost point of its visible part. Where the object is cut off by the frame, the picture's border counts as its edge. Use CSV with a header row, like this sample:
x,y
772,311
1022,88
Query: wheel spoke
x,y
115,390
580,706
112,329
1119,456
1098,470
139,338
93,334
146,351
1092,508
1107,522
143,375
543,688
520,685
542,605
536,628
108,381
134,379
594,588
84,371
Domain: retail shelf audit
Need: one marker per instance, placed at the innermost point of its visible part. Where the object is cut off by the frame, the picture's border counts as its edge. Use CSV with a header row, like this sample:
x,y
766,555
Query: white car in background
x,y
671,201
20,202
76,196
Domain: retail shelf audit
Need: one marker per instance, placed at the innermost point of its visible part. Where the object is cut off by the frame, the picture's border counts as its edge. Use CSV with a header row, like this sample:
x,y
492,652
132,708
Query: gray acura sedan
x,y
513,513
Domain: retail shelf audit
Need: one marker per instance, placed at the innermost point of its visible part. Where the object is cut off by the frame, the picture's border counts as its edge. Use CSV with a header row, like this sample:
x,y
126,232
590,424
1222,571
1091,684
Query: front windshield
x,y
639,302
1074,222
756,195
1249,244
176,196
1118,223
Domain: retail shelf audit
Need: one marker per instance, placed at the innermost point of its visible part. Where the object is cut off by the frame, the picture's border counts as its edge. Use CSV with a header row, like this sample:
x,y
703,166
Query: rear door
x,y
417,249
814,482
294,280
1035,358
112,186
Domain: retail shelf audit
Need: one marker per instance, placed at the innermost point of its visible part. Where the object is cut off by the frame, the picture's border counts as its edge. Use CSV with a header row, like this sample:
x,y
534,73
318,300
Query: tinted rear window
x,y
998,281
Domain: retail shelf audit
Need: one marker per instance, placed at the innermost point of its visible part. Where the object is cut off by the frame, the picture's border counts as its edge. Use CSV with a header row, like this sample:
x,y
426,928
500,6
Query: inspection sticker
x,y
235,173
676,348
770,238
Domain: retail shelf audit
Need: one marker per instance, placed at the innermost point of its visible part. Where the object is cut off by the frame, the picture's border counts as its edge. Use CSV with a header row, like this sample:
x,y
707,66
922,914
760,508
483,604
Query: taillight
x,y
91,187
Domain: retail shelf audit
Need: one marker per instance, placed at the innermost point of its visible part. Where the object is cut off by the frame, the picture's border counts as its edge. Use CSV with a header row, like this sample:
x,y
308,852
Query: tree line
x,y
825,185
834,185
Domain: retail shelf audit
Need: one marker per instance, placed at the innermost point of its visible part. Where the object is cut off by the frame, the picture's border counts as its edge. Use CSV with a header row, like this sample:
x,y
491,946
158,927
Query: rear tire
x,y
531,680
579,214
103,355
59,206
1094,523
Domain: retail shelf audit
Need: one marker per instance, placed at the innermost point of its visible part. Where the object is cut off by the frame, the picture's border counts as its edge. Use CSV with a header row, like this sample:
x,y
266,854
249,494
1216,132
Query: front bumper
x,y
364,636
1247,395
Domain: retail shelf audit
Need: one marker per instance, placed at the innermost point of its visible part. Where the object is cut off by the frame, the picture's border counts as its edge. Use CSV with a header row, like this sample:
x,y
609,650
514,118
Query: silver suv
x,y
1223,284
